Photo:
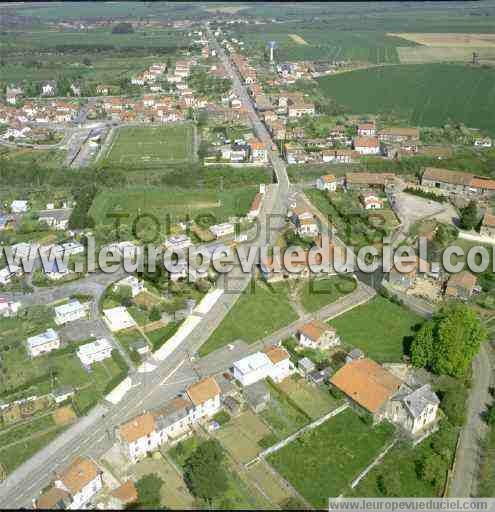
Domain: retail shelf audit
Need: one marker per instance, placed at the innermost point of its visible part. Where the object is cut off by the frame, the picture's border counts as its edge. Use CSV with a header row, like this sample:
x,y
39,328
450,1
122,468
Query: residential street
x,y
92,435
465,478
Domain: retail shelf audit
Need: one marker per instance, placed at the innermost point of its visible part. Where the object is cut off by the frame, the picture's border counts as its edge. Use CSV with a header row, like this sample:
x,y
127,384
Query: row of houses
x,y
55,111
457,182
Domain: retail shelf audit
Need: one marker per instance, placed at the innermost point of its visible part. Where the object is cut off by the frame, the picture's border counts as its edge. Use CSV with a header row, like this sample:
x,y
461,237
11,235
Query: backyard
x,y
323,462
257,313
317,293
381,328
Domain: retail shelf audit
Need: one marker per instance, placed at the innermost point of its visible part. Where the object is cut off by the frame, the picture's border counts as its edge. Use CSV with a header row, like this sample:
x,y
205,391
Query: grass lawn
x,y
283,418
317,293
26,429
159,336
183,450
321,463
402,460
127,337
14,456
256,314
151,146
169,203
141,317
314,401
381,328
276,491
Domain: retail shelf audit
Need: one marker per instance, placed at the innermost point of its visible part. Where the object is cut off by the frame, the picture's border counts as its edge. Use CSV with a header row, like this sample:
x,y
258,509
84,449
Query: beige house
x,y
461,285
374,389
317,335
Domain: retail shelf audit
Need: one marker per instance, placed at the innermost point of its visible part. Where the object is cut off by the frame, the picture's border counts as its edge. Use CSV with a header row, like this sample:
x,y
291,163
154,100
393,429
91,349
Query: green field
x,y
323,462
151,146
256,314
382,329
317,293
176,203
428,95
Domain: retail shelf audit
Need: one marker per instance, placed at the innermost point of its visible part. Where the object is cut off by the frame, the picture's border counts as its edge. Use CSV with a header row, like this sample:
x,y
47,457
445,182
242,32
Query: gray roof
x,y
172,412
306,364
136,345
418,400
257,393
356,353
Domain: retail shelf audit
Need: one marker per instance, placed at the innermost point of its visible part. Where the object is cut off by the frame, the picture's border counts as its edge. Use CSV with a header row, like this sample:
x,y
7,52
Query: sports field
x,y
426,94
152,146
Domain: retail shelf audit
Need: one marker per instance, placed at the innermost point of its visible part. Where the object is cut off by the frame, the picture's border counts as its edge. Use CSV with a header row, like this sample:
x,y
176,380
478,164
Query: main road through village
x,y
93,434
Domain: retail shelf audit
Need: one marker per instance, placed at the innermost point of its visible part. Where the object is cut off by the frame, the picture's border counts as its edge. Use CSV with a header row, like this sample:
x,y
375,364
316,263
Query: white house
x,y
317,335
19,206
139,436
307,227
133,283
94,352
55,273
273,362
414,410
70,312
174,419
178,242
43,343
252,368
48,89
328,182
118,319
205,397
221,230
81,480
281,365
366,129
367,145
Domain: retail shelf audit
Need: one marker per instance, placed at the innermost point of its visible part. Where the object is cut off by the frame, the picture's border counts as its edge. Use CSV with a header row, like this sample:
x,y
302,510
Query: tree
x,y
148,489
87,61
155,314
205,474
432,469
448,343
469,216
458,339
422,349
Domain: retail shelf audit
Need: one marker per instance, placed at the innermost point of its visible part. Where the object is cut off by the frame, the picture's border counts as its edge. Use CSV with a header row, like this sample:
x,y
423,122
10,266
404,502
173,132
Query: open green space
x,y
258,312
324,461
317,293
176,204
283,415
382,329
151,146
419,471
418,93
23,376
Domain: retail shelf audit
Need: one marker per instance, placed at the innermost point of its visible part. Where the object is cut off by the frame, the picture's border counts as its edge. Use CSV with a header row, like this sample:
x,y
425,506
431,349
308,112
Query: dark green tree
x,y
422,349
205,473
469,216
148,489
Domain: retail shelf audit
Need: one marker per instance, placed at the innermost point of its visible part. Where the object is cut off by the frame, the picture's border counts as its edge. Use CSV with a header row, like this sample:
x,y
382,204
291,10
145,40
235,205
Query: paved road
x,y
465,478
93,435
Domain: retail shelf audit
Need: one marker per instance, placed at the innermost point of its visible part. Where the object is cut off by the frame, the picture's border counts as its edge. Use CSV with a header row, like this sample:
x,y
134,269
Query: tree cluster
x,y
448,343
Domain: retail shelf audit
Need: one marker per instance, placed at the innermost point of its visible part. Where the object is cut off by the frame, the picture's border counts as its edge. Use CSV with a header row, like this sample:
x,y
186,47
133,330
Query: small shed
x,y
257,396
355,353
306,365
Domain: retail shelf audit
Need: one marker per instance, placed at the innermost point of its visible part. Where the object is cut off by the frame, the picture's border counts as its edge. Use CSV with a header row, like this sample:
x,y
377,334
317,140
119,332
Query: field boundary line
x,y
298,433
375,462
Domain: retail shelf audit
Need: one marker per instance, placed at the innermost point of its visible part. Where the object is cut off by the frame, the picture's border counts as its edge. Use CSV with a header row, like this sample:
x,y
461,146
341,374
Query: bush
x,y
221,417
426,195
